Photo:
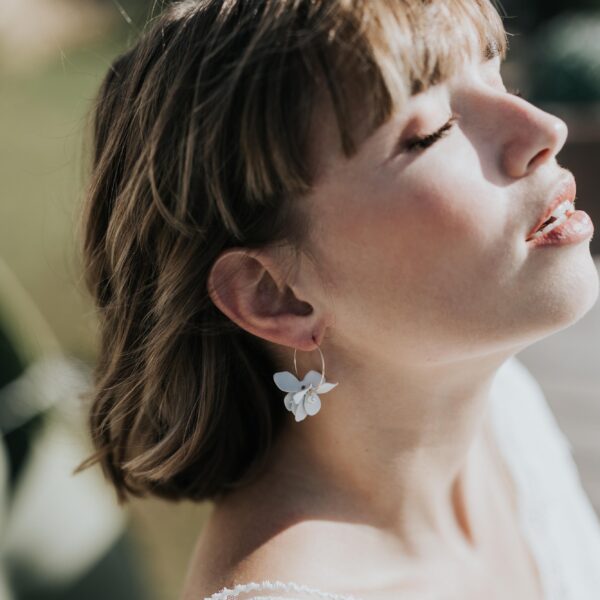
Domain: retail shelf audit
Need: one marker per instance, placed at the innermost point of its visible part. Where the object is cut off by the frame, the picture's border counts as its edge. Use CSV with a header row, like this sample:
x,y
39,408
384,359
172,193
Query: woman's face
x,y
425,247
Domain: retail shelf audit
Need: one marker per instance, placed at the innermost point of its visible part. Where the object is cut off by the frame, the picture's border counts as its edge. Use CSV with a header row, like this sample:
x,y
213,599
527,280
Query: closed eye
x,y
421,142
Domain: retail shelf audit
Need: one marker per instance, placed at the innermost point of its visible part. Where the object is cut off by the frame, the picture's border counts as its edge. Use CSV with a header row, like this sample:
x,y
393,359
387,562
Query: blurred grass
x,y
43,115
44,164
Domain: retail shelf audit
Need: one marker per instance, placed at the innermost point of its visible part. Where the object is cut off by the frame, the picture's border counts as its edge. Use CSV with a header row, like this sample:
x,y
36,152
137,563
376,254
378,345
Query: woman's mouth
x,y
565,226
560,214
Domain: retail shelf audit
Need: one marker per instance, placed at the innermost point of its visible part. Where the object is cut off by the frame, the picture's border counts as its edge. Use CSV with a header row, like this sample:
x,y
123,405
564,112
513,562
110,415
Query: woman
x,y
293,198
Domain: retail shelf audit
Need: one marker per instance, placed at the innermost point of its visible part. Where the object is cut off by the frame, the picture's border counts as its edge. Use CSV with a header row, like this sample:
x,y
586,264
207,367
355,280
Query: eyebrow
x,y
491,50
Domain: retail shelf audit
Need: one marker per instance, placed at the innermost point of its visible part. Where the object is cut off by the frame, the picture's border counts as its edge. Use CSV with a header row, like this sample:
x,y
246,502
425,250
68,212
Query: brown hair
x,y
200,144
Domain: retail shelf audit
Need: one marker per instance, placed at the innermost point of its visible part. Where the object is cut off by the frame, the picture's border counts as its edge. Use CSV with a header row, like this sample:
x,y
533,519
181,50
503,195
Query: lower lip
x,y
577,228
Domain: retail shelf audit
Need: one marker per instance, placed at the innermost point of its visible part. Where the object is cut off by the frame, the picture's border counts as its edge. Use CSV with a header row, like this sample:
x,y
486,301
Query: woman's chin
x,y
564,296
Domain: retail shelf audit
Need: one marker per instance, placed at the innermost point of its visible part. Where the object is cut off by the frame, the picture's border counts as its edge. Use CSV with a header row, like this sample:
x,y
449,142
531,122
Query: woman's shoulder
x,y
246,561
241,565
295,558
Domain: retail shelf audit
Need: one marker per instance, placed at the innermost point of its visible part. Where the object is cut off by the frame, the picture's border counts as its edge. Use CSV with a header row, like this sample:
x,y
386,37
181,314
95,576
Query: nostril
x,y
540,157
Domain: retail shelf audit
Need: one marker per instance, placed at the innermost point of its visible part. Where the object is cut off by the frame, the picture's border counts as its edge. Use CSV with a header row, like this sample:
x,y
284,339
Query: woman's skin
x,y
423,287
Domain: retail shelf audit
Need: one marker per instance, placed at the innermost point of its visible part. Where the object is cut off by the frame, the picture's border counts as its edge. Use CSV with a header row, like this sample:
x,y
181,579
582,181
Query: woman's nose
x,y
532,137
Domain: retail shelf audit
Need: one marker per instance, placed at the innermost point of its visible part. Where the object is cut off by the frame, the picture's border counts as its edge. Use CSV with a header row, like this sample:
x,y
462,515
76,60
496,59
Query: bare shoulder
x,y
237,547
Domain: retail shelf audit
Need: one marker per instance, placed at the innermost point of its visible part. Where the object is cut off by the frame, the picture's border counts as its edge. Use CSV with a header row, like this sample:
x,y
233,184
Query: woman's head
x,y
249,195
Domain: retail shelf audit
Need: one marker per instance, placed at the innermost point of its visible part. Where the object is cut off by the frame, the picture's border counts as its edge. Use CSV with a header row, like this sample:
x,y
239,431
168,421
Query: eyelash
x,y
420,143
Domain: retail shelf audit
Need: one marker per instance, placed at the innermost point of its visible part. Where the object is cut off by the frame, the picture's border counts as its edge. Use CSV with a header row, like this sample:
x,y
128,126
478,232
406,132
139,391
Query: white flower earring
x,y
302,397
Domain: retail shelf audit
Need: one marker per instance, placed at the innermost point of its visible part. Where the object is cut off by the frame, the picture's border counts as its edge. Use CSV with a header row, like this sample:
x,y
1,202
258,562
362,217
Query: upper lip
x,y
564,190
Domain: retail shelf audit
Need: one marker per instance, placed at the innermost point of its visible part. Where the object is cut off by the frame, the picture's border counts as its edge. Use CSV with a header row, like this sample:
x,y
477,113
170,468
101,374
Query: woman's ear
x,y
249,287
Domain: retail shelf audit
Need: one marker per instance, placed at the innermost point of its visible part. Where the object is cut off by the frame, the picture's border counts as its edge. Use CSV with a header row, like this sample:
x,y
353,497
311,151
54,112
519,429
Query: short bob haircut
x,y
200,144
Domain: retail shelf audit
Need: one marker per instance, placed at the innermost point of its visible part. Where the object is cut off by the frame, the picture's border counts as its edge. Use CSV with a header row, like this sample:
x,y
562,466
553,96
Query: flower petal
x,y
286,381
298,396
300,413
289,402
312,404
313,377
326,387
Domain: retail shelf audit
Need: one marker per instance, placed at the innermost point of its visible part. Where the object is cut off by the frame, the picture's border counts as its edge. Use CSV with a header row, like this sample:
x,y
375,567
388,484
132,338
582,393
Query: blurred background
x,y
62,537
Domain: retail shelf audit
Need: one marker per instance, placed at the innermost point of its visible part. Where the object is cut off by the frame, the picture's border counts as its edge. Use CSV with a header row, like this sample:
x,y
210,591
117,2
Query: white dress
x,y
556,516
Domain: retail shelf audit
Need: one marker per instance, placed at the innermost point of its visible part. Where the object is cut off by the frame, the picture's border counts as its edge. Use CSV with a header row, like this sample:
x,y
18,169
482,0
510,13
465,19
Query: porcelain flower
x,y
303,396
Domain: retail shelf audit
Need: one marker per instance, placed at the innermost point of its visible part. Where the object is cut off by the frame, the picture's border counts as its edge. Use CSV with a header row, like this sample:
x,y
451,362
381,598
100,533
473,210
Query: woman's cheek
x,y
443,214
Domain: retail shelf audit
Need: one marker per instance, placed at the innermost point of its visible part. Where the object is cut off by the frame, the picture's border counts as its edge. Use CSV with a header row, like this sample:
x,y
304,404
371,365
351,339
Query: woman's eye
x,y
422,142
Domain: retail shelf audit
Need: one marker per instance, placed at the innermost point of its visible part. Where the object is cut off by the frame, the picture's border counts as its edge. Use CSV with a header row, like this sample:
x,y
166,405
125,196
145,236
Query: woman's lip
x,y
577,228
566,190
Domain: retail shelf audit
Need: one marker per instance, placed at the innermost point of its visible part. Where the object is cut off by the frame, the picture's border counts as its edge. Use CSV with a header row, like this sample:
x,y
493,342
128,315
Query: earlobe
x,y
247,287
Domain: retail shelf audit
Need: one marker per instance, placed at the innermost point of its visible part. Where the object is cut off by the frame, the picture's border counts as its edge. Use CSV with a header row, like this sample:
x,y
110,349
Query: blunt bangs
x,y
368,56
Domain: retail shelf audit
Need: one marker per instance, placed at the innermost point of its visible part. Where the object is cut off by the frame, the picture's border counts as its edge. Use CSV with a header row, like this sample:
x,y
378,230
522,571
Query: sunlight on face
x,y
422,232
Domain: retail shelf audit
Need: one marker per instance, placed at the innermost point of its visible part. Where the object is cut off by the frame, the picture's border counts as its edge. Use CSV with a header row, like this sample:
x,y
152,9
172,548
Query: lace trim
x,y
271,598
275,585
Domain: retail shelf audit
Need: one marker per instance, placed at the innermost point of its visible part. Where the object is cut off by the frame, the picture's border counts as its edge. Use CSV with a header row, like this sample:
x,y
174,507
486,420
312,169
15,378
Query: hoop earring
x,y
302,397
